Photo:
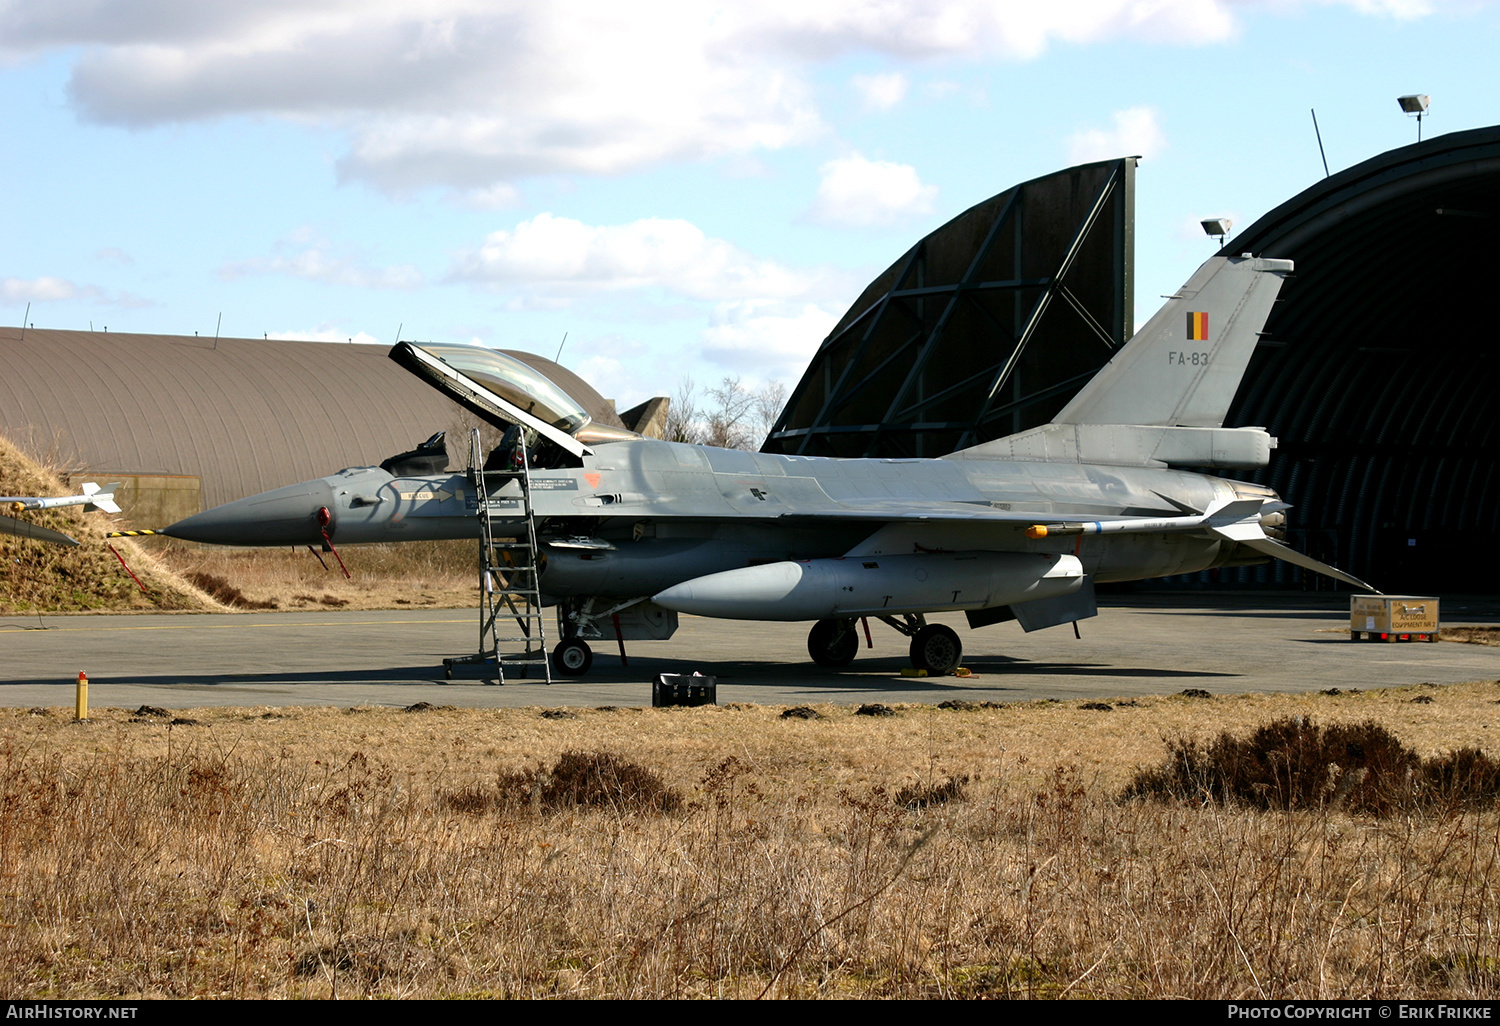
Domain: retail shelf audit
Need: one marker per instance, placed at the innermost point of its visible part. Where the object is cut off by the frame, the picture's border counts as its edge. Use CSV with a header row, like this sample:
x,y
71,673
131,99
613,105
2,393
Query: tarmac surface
x,y
1222,643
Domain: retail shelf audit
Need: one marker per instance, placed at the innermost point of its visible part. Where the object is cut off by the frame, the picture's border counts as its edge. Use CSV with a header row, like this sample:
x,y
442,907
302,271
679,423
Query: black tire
x,y
936,649
572,657
833,643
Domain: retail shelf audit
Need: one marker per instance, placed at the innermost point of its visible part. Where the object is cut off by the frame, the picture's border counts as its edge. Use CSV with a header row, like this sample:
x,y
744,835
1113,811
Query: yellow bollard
x,y
82,703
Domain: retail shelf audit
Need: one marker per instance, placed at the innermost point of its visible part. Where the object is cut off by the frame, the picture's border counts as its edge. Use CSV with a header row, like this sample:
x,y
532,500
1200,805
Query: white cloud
x,y
40,290
499,196
328,333
469,93
315,263
881,92
560,257
1134,133
856,192
47,288
765,339
1401,10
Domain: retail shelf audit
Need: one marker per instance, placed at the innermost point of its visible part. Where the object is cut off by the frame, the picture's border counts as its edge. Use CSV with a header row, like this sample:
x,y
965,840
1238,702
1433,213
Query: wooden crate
x,y
1393,618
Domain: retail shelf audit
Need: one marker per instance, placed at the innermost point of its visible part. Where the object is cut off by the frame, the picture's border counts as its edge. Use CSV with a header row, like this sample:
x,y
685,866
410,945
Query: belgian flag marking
x,y
1197,326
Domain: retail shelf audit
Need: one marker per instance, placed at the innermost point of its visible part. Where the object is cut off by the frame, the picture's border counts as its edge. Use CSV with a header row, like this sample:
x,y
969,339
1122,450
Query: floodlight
x,y
1218,227
1415,103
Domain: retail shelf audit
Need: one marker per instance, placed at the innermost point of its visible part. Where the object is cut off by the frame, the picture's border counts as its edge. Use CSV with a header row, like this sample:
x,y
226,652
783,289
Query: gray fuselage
x,y
673,512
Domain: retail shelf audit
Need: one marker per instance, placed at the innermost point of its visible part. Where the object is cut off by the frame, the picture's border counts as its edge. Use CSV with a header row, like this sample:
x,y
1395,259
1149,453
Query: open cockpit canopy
x,y
498,389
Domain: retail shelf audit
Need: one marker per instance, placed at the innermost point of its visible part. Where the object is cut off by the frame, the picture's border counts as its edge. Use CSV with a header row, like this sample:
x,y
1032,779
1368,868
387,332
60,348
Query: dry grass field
x,y
725,852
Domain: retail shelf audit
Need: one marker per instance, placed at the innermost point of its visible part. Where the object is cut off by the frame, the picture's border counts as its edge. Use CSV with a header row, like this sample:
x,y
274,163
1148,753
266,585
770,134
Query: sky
x,y
665,191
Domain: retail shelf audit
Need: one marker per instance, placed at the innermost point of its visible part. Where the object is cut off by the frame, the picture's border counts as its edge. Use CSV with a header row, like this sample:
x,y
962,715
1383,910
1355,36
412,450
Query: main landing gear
x,y
934,647
833,643
572,657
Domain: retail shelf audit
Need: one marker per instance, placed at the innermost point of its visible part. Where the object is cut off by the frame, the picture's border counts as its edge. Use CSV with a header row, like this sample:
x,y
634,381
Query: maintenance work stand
x,y
509,567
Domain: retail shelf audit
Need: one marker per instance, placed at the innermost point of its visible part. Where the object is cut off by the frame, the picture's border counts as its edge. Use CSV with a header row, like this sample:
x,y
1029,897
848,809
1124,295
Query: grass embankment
x,y
441,575
931,852
42,577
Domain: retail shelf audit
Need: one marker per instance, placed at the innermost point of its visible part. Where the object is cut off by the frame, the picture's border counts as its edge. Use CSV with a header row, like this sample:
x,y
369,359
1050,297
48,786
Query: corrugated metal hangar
x,y
188,423
1377,374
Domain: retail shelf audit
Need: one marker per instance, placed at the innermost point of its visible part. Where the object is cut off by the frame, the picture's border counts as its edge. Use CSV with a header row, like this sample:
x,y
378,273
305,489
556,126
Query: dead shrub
x,y
1466,777
1294,763
606,779
1288,763
472,800
922,796
225,592
343,957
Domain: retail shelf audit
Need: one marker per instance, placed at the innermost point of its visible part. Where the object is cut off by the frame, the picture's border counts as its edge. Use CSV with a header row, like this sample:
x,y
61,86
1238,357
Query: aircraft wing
x,y
1236,520
1055,523
9,525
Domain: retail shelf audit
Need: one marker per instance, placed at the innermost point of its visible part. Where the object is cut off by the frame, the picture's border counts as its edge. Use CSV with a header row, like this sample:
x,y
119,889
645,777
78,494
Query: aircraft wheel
x,y
833,642
572,657
936,649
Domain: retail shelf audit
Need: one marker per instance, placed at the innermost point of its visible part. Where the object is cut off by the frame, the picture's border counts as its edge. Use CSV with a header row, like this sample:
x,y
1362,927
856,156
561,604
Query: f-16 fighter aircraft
x,y
93,498
1017,528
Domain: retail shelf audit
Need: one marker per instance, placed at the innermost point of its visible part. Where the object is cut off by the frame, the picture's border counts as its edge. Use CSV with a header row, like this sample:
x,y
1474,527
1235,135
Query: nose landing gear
x,y
572,657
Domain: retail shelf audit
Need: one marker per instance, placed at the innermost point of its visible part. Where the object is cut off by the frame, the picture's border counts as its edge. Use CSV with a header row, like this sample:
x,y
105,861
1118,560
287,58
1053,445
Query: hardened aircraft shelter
x,y
1378,373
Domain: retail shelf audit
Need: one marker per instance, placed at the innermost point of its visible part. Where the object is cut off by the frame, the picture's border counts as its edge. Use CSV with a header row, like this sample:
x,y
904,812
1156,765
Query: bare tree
x,y
731,416
682,415
769,400
725,425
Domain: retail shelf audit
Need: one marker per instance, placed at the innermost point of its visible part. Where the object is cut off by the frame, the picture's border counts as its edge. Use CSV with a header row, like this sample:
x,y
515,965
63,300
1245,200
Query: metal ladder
x,y
508,575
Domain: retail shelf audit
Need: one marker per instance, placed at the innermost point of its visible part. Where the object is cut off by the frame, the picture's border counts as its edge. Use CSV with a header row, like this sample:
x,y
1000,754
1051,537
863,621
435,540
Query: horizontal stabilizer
x,y
1246,530
1271,547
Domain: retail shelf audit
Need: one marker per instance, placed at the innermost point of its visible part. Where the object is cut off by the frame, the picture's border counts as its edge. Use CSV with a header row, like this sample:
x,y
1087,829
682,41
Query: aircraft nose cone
x,y
286,516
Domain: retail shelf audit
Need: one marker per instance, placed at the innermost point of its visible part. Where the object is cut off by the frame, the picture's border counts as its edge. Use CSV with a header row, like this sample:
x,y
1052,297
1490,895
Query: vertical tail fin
x,y
1183,368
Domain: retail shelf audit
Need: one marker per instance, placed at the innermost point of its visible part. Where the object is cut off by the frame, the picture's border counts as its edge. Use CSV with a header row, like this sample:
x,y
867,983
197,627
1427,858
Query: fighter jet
x,y
1113,489
93,498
